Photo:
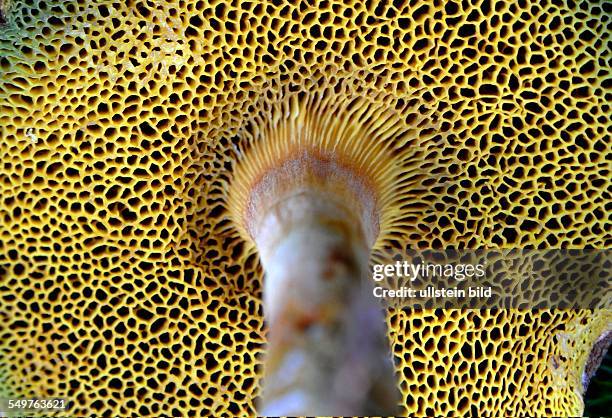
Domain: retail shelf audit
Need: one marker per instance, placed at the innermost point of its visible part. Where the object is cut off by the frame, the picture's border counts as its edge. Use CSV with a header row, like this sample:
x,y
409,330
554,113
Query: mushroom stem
x,y
327,347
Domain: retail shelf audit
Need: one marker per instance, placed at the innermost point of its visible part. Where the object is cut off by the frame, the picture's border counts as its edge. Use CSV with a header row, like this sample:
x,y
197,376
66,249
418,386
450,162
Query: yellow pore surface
x,y
125,283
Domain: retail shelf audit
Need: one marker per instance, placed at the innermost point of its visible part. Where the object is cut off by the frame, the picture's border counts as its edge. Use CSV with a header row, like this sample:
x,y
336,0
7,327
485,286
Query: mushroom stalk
x,y
327,346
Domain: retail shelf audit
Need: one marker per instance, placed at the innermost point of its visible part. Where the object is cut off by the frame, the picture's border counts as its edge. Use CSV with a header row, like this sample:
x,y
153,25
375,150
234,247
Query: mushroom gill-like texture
x,y
127,287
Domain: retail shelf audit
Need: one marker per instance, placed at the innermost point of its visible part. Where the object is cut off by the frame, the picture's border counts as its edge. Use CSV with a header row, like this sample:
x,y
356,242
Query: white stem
x,y
327,347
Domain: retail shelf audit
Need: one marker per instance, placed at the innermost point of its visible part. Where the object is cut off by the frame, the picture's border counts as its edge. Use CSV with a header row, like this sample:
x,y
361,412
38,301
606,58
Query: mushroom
x,y
122,249
309,193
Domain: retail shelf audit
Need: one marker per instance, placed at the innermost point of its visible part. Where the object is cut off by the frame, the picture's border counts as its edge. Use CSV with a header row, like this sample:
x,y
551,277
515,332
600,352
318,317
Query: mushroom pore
x,y
123,127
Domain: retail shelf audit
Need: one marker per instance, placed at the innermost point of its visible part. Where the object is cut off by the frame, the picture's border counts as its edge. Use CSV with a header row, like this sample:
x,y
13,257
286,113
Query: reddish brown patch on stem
x,y
338,258
305,321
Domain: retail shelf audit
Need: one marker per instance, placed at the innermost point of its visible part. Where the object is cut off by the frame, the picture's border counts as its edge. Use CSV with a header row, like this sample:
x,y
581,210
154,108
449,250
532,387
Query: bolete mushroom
x,y
308,194
126,282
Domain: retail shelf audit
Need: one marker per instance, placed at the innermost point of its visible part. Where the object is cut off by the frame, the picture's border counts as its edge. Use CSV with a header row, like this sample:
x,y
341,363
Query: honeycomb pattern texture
x,y
126,287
